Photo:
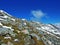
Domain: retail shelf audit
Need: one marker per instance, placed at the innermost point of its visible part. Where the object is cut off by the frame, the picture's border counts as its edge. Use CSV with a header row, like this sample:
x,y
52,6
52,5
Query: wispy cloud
x,y
37,15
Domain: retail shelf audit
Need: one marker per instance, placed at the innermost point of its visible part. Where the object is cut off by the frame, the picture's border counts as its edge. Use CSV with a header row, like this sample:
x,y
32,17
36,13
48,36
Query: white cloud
x,y
38,13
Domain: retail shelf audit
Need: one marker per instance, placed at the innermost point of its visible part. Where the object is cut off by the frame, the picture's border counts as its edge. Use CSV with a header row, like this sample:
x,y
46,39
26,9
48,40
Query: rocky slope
x,y
14,31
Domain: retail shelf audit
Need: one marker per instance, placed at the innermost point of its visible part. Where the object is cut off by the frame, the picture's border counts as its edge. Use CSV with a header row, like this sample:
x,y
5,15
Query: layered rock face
x,y
14,31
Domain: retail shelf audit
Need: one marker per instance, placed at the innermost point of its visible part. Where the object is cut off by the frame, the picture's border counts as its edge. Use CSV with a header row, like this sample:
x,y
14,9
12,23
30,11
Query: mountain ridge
x,y
14,31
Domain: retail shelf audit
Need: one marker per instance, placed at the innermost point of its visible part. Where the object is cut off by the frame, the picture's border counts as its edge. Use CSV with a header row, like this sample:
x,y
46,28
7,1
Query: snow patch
x,y
1,11
16,40
7,37
1,24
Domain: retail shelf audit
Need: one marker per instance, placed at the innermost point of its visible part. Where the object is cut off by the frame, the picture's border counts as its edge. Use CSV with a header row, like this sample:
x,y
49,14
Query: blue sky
x,y
46,11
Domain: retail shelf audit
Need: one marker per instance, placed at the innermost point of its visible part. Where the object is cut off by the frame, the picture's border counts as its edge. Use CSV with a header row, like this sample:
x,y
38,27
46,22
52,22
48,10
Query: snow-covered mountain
x,y
14,31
